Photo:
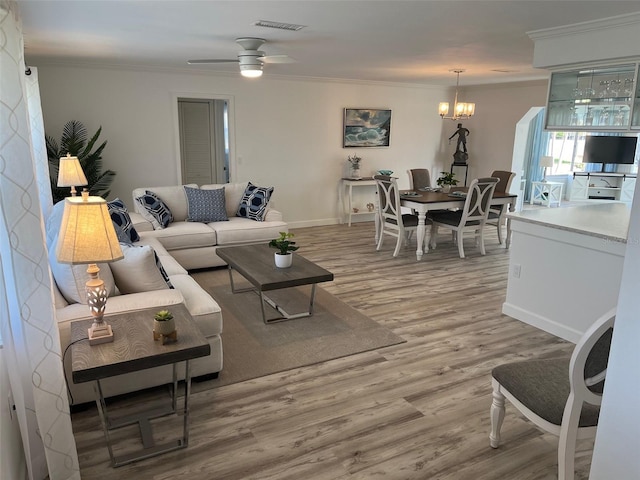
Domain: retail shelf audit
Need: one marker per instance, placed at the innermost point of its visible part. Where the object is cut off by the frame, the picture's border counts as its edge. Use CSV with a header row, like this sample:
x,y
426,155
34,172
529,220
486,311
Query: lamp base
x,y
100,334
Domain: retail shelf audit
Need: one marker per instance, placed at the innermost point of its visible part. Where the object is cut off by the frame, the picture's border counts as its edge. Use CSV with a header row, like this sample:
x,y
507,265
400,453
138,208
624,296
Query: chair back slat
x,y
419,178
388,197
479,195
504,180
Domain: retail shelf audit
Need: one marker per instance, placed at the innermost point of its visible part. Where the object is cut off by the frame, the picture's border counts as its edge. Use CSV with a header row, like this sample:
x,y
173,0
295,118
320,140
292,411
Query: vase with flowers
x,y
354,160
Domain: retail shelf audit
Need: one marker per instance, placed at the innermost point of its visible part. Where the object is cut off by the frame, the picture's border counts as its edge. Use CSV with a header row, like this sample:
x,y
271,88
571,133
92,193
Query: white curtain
x,y
27,317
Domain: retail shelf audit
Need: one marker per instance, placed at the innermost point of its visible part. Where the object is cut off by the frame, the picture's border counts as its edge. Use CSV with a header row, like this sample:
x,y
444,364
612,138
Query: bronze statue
x,y
462,138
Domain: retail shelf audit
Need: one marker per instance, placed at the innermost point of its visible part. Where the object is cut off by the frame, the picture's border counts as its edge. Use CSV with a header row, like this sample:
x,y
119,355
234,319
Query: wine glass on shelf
x,y
605,116
604,89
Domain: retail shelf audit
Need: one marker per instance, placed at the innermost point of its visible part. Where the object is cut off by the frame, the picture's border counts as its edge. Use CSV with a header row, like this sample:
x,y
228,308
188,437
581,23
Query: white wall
x,y
12,462
288,132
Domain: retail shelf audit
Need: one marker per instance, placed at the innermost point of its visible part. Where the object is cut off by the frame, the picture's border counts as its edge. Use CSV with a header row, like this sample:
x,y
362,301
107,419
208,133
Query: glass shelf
x,y
600,98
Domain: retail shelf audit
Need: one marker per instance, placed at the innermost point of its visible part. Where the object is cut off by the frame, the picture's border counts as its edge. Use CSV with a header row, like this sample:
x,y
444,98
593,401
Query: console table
x,y
546,193
346,201
134,349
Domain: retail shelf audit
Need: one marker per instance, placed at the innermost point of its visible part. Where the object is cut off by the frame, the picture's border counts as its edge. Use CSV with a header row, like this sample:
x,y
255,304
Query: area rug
x,y
253,349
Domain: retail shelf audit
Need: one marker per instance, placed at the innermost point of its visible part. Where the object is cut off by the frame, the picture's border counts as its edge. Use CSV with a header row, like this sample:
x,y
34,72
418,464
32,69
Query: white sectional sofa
x,y
194,244
180,246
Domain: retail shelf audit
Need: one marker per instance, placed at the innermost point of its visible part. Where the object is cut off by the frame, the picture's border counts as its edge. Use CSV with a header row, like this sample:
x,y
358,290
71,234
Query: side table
x,y
134,349
546,193
346,201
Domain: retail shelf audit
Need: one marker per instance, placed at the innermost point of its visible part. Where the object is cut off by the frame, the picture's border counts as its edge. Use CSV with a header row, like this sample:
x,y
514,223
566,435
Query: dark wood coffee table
x,y
256,264
134,349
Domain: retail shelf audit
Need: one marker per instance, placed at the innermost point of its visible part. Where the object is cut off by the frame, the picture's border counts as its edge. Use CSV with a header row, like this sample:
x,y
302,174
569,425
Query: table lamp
x,y
546,162
70,173
87,236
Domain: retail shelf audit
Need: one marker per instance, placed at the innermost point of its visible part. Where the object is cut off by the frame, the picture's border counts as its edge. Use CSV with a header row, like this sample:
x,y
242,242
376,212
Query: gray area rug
x,y
253,349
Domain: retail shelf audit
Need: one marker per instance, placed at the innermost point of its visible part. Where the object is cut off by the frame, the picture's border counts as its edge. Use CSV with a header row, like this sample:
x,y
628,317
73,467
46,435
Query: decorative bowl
x,y
385,172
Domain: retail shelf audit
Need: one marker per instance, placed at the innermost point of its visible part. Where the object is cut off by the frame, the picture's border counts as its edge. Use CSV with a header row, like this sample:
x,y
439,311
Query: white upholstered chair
x,y
497,213
391,219
472,217
562,396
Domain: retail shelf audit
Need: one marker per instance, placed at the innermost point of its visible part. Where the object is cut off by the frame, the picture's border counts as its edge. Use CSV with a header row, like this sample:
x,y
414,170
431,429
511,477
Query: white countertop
x,y
604,220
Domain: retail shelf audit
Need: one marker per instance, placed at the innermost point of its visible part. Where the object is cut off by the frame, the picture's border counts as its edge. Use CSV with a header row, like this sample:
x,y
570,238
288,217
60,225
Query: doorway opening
x,y
203,126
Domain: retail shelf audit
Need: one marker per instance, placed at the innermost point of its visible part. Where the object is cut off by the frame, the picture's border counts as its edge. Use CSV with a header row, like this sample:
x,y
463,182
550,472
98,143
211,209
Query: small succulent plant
x,y
163,316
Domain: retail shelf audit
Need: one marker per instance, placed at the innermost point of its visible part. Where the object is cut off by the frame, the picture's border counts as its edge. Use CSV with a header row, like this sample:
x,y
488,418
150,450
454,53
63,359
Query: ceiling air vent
x,y
279,25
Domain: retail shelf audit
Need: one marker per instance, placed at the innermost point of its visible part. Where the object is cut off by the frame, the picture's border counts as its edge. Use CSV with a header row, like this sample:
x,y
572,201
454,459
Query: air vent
x,y
503,70
279,25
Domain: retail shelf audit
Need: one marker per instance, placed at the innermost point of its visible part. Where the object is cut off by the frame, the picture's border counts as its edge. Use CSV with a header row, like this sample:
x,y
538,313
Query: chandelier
x,y
460,110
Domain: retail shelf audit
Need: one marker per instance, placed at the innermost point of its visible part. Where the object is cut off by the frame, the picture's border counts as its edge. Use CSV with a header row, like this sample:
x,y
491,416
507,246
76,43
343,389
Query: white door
x,y
203,145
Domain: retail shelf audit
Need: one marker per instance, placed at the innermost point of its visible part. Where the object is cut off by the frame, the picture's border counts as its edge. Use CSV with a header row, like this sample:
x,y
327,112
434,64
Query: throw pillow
x,y
125,230
205,205
71,279
154,210
254,202
138,271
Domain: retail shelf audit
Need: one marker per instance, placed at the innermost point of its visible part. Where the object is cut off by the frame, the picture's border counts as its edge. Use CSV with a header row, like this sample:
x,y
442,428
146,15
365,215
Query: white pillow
x,y
71,279
137,271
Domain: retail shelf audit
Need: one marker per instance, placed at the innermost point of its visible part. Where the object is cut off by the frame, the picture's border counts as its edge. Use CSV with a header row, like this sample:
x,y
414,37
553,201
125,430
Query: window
x,y
567,149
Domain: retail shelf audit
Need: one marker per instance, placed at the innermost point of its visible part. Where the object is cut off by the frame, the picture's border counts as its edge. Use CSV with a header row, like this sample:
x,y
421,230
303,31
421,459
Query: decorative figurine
x,y
460,156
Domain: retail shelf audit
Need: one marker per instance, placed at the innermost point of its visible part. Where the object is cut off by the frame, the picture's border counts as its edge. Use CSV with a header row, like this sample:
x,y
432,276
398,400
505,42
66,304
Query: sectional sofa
x,y
137,282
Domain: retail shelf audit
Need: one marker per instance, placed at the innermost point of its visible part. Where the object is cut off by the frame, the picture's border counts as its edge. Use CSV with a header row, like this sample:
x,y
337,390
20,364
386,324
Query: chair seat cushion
x,y
449,217
543,387
493,215
408,220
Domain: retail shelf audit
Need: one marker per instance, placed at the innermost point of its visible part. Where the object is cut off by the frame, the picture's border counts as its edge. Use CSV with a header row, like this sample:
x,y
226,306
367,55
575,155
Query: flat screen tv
x,y
608,150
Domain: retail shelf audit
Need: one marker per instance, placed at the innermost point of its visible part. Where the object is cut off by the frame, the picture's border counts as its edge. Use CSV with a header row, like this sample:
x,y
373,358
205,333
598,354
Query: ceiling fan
x,y
250,58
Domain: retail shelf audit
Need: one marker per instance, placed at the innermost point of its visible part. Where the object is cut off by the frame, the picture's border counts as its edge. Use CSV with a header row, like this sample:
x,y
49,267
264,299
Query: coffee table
x,y
256,264
134,349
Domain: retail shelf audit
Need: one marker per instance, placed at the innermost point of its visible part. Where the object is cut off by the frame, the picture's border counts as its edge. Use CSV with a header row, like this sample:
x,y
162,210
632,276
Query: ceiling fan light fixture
x,y
251,71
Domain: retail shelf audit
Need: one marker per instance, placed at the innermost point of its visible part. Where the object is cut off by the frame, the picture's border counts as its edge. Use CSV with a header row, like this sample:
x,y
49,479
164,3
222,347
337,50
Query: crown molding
x,y
583,27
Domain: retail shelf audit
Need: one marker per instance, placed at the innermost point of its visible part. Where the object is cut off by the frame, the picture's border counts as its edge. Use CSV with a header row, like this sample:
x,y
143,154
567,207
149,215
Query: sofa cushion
x,y
170,264
182,235
254,201
172,196
205,205
204,309
154,210
242,230
233,193
138,271
122,222
71,279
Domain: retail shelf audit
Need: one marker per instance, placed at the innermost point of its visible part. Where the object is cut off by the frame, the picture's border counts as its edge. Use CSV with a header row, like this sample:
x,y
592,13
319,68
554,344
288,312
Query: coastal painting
x,y
366,127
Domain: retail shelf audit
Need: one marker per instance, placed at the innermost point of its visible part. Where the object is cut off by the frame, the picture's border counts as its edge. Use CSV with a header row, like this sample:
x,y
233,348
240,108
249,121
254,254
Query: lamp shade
x,y
546,162
70,172
86,233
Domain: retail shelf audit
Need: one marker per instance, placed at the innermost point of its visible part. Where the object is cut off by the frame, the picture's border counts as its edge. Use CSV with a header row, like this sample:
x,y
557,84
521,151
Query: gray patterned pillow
x,y
205,205
154,210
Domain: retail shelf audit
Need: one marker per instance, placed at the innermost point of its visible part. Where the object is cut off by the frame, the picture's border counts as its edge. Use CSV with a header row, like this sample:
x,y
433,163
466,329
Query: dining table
x,y
423,200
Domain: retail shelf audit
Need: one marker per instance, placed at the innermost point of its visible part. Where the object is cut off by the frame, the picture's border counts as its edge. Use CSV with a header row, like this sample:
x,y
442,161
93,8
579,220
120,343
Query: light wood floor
x,y
419,410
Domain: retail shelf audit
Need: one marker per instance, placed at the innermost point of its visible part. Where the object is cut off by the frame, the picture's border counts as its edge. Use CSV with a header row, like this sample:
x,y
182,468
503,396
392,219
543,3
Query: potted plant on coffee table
x,y
286,246
446,181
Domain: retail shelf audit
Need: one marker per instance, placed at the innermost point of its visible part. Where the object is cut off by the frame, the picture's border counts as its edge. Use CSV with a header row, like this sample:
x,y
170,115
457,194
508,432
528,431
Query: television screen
x,y
609,150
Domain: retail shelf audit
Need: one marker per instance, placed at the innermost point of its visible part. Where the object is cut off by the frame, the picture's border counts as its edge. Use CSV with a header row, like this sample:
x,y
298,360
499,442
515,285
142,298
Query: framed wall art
x,y
366,127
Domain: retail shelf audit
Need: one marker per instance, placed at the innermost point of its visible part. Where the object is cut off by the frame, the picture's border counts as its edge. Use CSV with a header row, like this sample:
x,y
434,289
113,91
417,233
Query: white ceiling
x,y
374,40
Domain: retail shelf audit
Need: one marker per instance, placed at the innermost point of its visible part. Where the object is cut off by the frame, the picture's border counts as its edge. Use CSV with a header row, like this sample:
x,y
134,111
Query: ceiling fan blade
x,y
211,60
276,59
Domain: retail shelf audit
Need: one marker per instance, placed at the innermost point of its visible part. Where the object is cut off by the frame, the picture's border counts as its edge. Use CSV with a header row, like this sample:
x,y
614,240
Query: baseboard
x,y
314,223
543,323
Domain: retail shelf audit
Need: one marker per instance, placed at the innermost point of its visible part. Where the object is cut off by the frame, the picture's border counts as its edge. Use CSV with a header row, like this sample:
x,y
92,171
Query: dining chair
x,y
497,213
561,396
419,178
391,219
472,217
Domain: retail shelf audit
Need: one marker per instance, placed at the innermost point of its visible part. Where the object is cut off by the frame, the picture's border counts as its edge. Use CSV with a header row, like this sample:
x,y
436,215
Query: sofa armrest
x,y
272,215
139,223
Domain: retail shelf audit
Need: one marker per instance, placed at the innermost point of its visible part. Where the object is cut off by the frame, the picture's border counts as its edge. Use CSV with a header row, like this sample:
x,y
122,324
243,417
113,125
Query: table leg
x,y
421,233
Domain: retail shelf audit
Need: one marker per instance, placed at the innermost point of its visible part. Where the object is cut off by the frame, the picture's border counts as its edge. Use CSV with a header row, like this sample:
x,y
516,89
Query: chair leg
x,y
481,240
380,239
401,240
460,238
568,439
433,235
497,416
499,232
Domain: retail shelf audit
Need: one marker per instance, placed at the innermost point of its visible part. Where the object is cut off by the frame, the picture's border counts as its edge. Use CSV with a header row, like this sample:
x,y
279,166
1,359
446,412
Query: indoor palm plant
x,y
286,246
74,141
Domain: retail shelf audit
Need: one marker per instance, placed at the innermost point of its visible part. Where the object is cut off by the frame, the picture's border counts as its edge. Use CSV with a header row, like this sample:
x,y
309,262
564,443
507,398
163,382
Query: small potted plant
x,y
164,325
286,246
446,181
355,160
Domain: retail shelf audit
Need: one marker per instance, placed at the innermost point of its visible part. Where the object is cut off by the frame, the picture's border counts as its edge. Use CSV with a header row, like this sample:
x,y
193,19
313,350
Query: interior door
x,y
203,145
